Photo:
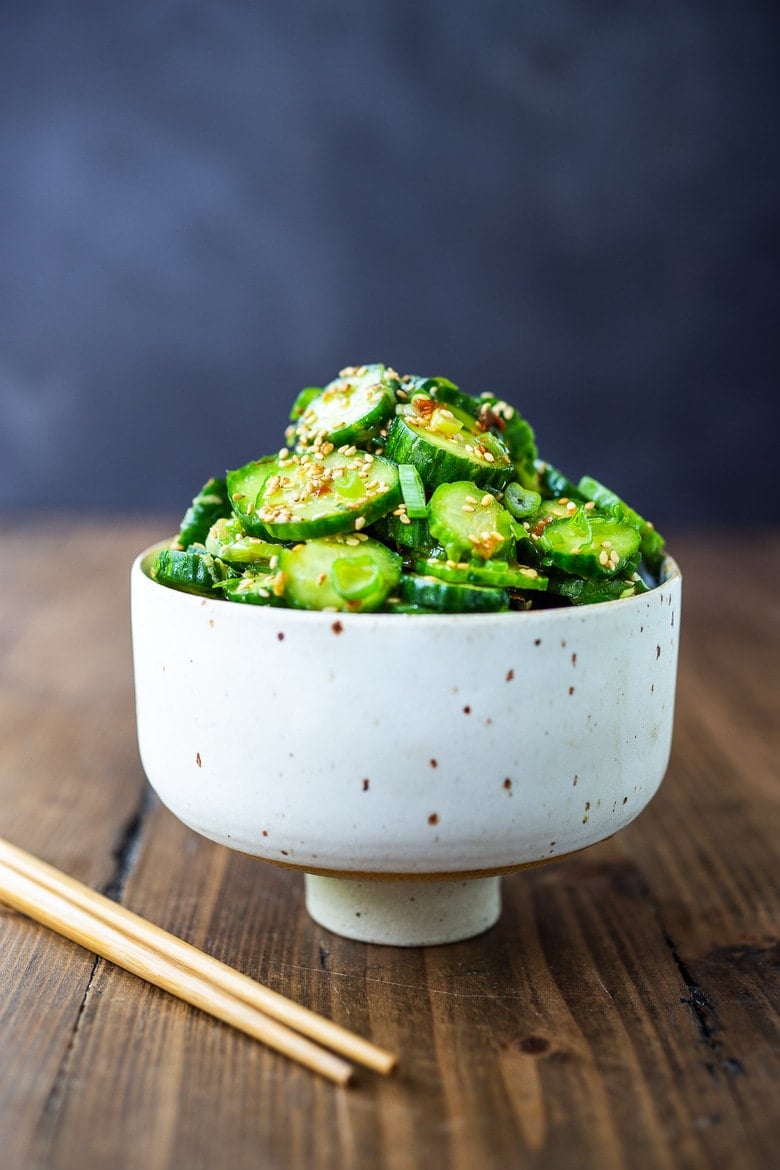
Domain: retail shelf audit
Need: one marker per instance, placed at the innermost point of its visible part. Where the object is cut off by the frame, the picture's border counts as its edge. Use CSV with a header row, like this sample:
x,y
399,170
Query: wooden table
x,y
624,1012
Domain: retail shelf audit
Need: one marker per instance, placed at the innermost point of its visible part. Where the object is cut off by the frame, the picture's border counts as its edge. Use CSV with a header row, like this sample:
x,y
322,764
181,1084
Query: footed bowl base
x,y
406,913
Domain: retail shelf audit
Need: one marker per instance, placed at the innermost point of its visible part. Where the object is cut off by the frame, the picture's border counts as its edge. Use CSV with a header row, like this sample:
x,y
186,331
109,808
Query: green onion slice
x,y
412,491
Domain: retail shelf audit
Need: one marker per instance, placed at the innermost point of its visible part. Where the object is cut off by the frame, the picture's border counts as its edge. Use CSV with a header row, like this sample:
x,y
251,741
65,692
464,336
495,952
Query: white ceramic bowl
x,y
404,762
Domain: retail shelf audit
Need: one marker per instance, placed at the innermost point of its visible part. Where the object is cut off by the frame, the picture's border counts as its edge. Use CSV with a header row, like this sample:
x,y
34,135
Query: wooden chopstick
x,y
108,929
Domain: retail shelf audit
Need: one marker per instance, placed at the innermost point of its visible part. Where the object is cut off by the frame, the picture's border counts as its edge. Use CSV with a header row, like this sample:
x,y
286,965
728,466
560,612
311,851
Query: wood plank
x,y
70,784
623,1012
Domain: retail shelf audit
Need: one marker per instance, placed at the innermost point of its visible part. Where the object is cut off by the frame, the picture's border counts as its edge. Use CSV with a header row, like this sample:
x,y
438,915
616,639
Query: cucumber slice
x,y
588,546
307,495
244,486
652,544
348,573
228,541
466,520
443,390
505,576
351,409
398,529
208,505
302,400
443,597
444,444
555,484
516,432
255,588
584,591
191,570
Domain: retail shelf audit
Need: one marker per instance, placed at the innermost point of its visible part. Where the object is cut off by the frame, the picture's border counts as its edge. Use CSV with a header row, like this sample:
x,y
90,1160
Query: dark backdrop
x,y
206,206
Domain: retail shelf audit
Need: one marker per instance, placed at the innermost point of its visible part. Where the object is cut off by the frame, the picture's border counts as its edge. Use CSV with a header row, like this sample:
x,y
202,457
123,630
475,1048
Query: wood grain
x,y
624,1011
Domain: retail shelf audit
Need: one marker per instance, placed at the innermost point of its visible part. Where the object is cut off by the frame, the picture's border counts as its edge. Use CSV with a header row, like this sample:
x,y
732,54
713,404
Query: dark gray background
x,y
206,206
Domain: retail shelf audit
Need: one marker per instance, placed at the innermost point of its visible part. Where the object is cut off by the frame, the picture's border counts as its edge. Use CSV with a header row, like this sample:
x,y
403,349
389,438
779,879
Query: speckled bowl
x,y
404,762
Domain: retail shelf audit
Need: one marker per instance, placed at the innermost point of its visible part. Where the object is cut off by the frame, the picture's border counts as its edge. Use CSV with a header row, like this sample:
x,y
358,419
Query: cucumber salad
x,y
404,494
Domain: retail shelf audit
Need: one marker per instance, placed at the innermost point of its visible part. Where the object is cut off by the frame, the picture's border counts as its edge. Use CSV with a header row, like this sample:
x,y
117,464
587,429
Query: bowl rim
x,y
670,574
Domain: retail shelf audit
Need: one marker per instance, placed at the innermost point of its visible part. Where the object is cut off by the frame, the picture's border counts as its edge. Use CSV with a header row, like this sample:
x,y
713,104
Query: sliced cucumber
x,y
208,505
584,591
302,400
348,573
351,409
191,570
228,541
516,432
398,529
652,544
555,484
589,546
255,588
443,597
244,486
301,497
445,444
466,520
505,576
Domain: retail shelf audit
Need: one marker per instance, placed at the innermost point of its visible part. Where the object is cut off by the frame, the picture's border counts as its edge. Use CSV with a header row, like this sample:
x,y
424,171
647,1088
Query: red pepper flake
x,y
467,710
337,628
265,832
571,690
198,760
507,784
366,783
280,636
510,674
433,763
433,819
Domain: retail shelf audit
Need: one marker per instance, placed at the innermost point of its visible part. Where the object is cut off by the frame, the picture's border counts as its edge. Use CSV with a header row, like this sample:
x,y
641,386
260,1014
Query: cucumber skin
x,y
209,505
443,597
437,464
494,574
189,570
584,591
244,485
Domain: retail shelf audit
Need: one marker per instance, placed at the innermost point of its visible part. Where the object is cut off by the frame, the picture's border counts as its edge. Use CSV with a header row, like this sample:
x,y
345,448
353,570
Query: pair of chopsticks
x,y
107,929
